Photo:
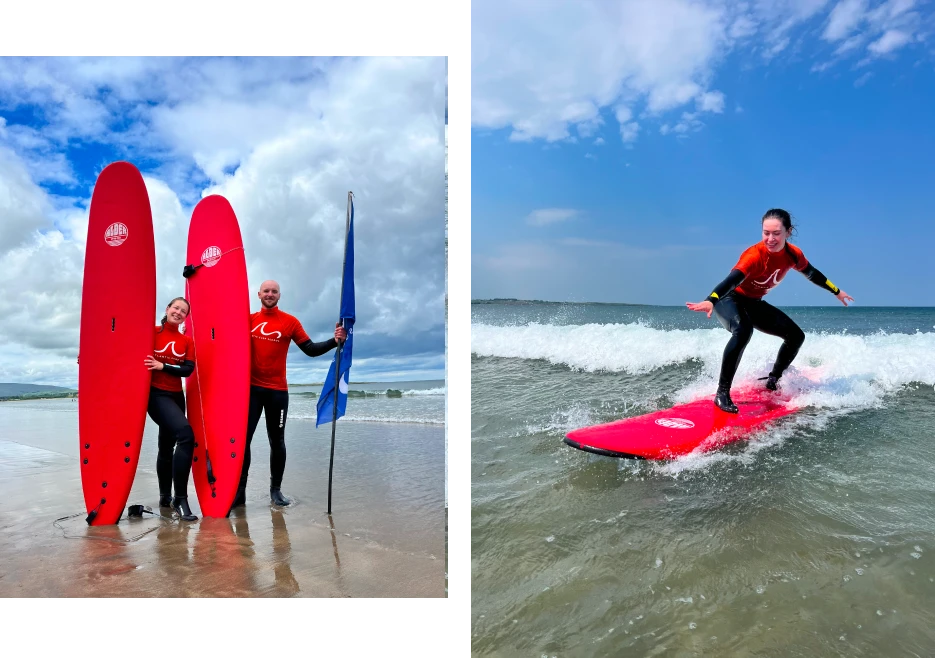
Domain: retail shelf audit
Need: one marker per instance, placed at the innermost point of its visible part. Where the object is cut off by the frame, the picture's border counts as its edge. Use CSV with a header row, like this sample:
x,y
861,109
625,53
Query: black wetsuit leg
x,y
253,418
770,320
167,409
277,408
731,312
164,459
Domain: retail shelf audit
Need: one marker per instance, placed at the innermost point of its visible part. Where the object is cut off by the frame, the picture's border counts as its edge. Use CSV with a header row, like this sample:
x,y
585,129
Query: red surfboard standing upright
x,y
118,308
218,392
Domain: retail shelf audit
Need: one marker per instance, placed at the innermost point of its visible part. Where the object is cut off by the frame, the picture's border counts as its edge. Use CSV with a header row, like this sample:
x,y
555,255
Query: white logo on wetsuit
x,y
172,345
765,282
282,419
675,423
263,332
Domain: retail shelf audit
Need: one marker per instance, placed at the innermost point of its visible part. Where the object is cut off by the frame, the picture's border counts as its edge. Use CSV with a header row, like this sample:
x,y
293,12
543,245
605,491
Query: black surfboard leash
x,y
132,511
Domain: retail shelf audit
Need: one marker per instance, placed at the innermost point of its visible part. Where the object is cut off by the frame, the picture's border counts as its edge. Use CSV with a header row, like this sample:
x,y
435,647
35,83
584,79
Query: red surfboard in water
x,y
118,309
218,391
682,429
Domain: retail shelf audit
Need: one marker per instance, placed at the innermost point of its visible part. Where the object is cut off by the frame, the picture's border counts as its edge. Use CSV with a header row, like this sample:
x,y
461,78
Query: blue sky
x,y
283,139
625,152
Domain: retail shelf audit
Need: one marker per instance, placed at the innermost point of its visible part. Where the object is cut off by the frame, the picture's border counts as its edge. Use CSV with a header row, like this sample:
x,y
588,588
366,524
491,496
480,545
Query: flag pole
x,y
337,365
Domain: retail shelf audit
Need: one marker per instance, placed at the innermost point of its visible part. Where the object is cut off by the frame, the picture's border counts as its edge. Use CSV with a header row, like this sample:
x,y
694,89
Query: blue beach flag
x,y
326,399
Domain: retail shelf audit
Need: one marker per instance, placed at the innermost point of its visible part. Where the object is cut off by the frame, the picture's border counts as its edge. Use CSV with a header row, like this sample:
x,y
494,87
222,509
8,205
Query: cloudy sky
x,y
283,140
625,151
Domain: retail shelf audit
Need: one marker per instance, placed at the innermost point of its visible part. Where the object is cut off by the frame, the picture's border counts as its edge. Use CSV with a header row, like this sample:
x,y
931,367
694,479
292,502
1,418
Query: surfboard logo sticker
x,y
116,234
675,423
210,256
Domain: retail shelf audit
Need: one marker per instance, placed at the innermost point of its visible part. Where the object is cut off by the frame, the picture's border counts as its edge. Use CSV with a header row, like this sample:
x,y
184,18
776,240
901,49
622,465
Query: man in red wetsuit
x,y
271,332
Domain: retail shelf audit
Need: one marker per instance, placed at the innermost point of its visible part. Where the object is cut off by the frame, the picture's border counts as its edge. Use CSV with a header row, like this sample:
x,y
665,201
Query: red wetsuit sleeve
x,y
801,260
748,259
298,333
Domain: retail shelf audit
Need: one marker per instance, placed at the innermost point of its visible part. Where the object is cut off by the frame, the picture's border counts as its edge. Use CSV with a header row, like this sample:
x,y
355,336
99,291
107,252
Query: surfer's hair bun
x,y
783,216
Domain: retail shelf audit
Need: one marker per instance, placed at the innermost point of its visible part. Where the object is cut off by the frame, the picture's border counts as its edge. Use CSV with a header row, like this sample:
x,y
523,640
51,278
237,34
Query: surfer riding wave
x,y
737,301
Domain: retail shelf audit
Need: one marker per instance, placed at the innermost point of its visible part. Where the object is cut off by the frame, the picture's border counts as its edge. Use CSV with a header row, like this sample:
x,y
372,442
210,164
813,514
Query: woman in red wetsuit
x,y
737,301
173,358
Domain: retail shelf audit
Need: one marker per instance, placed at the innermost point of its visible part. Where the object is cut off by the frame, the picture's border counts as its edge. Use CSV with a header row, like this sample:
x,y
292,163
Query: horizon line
x,y
546,301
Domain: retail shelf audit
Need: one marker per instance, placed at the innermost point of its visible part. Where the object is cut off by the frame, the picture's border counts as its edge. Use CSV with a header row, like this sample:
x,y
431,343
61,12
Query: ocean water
x,y
389,468
814,537
421,402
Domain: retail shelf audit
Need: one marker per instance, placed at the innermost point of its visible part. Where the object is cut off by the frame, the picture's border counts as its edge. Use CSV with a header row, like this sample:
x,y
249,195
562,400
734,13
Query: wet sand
x,y
385,538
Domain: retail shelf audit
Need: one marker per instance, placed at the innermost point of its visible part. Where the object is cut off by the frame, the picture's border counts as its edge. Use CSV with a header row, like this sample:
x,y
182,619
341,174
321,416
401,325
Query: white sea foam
x,y
425,391
831,371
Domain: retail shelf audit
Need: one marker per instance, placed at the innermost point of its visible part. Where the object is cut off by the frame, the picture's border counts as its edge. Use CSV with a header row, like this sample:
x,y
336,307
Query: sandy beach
x,y
385,538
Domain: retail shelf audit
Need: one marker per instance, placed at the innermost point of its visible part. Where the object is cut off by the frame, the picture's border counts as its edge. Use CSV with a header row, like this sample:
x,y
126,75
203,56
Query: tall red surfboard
x,y
218,392
118,308
680,430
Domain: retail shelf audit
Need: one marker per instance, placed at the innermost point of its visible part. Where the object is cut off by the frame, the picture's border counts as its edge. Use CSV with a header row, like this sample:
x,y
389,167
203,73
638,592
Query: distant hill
x,y
8,391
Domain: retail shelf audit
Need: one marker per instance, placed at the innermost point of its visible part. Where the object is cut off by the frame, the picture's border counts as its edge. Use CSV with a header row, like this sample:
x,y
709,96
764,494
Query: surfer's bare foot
x,y
275,495
180,505
723,402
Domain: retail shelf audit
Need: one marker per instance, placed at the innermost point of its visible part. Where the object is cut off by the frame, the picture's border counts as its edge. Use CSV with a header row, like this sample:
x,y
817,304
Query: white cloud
x,y
711,102
689,122
24,207
623,114
845,16
540,81
850,44
629,131
541,74
777,46
283,140
890,41
546,216
599,141
743,26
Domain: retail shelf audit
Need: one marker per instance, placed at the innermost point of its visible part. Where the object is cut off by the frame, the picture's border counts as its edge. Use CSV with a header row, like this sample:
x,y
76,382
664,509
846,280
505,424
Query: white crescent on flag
x,y
342,384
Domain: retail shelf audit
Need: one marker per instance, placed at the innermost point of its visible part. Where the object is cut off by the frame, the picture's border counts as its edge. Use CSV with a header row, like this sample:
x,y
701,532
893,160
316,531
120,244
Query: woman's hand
x,y
704,307
152,364
844,297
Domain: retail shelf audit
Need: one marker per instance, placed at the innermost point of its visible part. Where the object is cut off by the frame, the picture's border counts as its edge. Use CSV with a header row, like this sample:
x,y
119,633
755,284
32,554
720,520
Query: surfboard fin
x,y
93,513
211,478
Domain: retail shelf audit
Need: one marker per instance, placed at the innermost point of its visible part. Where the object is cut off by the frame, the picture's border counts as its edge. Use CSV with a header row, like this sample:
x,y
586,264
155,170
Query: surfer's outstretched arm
x,y
812,274
734,279
820,280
